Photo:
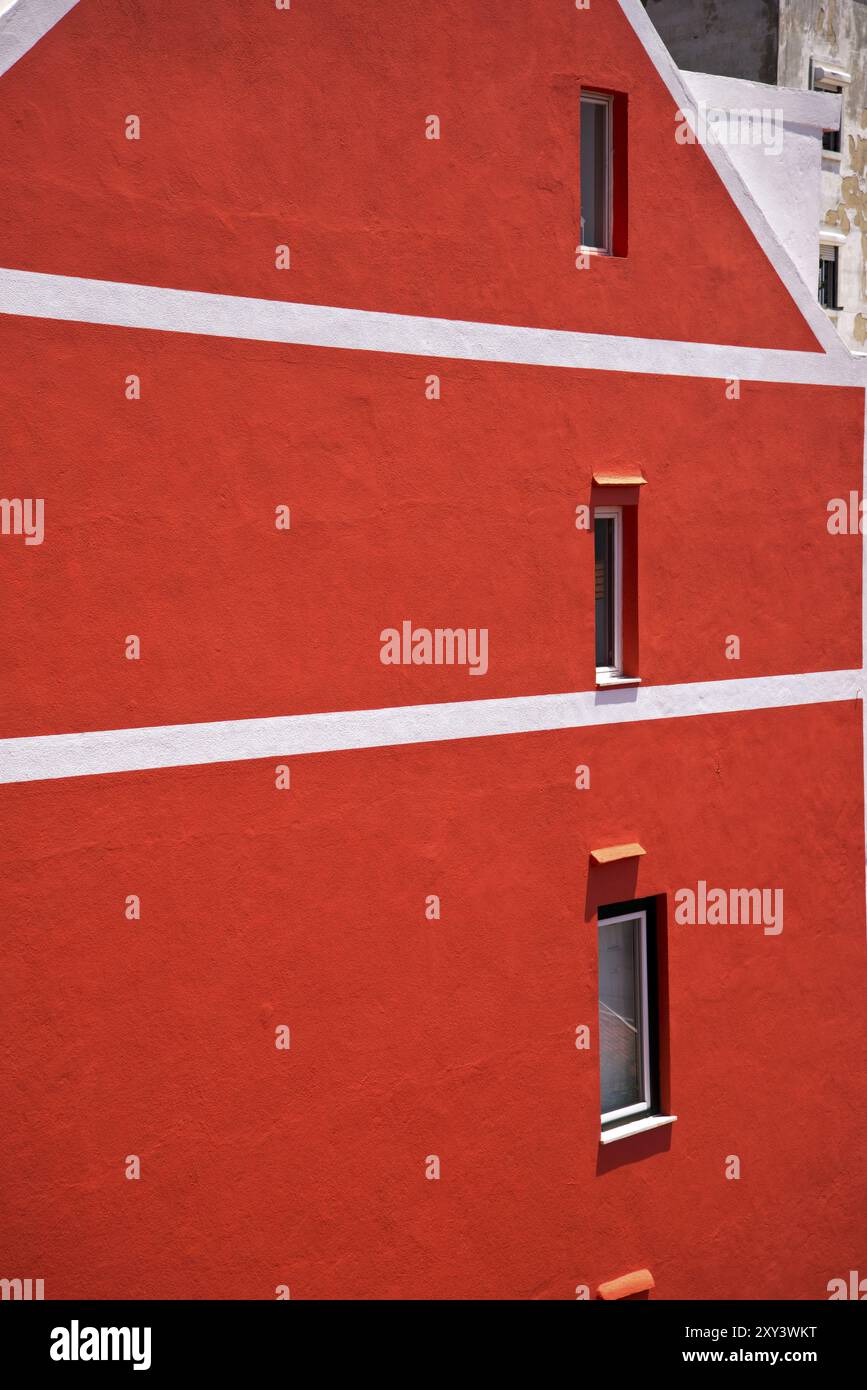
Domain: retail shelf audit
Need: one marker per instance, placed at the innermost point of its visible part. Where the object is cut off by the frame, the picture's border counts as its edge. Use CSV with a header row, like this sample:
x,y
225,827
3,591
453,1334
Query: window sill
x,y
594,251
606,682
610,1136
833,156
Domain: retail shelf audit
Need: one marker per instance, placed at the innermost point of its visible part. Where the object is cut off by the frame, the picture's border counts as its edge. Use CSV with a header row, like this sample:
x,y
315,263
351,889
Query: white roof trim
x,y
749,209
815,110
25,23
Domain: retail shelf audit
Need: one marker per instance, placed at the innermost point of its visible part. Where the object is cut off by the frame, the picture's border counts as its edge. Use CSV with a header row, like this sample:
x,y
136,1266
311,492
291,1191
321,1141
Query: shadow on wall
x,y
633,1149
610,883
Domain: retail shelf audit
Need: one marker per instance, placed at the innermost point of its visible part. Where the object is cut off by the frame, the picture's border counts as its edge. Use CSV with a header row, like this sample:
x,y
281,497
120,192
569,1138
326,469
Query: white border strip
x,y
25,23
238,740
32,294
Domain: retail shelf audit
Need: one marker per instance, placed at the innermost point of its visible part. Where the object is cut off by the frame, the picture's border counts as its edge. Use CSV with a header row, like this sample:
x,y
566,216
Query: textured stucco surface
x,y
459,512
306,907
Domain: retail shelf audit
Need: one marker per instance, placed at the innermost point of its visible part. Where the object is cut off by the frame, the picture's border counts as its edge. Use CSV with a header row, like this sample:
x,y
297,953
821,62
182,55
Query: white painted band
x,y
182,745
66,297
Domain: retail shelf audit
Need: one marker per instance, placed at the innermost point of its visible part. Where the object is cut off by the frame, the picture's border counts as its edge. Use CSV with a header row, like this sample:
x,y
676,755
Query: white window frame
x,y
602,99
615,672
645,1106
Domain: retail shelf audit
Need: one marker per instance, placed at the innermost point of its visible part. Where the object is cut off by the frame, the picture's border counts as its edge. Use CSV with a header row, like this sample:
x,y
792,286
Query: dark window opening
x,y
832,139
829,266
606,618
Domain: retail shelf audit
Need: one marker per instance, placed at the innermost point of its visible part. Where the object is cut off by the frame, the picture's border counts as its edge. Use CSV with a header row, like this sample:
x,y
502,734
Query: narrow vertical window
x,y
633,1032
608,529
596,172
624,1032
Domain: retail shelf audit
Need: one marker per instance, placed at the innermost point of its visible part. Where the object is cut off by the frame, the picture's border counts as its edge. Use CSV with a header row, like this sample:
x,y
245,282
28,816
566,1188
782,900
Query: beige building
x,y
812,45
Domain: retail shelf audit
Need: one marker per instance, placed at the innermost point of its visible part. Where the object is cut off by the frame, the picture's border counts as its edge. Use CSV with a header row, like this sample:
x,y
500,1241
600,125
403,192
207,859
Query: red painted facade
x,y
411,1037
460,510
260,907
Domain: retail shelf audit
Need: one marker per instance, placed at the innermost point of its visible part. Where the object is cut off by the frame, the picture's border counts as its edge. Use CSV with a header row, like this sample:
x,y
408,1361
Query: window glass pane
x,y
594,156
620,1014
604,538
831,140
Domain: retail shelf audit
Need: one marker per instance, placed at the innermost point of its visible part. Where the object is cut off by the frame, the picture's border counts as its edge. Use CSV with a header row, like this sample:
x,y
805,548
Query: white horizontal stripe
x,y
236,740
315,325
24,23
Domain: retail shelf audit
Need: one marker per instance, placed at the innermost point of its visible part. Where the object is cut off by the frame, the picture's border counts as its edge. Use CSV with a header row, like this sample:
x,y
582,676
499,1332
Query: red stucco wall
x,y
160,516
306,907
412,1037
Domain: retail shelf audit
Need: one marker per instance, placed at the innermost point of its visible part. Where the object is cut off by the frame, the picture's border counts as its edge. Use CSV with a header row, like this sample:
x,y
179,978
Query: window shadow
x,y
632,1150
610,883
617,695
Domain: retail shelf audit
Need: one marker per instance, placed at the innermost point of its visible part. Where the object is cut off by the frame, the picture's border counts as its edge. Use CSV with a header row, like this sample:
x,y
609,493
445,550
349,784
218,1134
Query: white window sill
x,y
610,1136
604,680
833,156
594,251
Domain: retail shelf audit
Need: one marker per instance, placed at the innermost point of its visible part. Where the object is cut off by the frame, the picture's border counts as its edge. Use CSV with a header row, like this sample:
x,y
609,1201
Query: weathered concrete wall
x,y
836,30
734,38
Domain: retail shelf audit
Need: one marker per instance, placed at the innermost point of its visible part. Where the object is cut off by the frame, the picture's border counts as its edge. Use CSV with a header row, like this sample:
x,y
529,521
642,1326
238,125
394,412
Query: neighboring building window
x,y
596,171
624,1018
628,1023
824,78
832,140
608,528
829,268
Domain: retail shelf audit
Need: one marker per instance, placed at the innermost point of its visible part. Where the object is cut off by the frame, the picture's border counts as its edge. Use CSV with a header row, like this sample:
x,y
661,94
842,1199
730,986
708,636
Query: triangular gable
x,y
306,128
